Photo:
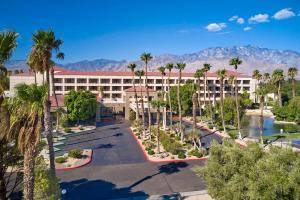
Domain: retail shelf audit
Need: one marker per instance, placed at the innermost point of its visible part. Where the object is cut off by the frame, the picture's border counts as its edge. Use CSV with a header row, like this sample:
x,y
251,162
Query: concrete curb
x,y
161,161
82,165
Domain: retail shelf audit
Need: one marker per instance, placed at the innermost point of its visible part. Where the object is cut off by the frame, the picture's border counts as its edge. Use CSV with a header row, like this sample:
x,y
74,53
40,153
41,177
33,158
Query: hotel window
x,y
158,88
81,80
114,95
246,88
81,87
150,81
217,88
127,81
116,88
217,95
69,80
150,87
106,88
158,81
117,81
246,81
238,81
93,80
57,80
58,88
105,81
172,81
93,88
217,81
126,87
182,81
106,96
68,88
210,81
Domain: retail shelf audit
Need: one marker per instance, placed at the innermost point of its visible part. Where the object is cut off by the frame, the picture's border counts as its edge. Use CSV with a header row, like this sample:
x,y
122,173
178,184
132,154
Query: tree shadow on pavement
x,y
104,146
96,189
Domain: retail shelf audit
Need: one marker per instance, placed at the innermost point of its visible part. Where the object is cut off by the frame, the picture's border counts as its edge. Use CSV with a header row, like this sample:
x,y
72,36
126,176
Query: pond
x,y
251,127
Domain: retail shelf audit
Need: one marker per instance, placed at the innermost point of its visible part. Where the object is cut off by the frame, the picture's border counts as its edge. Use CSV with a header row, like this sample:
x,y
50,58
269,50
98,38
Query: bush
x,y
233,134
61,159
150,152
196,153
75,153
81,128
67,130
181,155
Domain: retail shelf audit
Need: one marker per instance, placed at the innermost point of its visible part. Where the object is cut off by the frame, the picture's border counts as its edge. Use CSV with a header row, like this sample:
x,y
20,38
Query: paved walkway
x,y
119,169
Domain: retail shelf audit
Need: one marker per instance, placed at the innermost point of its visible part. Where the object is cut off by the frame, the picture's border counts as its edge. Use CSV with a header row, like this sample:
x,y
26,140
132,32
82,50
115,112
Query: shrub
x,y
233,134
150,152
61,159
181,155
196,153
67,130
75,153
139,137
81,128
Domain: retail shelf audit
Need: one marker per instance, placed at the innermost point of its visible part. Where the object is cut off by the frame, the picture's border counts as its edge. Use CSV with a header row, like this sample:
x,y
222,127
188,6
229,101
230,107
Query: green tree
x,y
132,67
206,68
158,104
169,67
277,78
292,73
60,113
194,100
221,76
44,45
146,57
81,105
257,76
180,67
261,92
236,62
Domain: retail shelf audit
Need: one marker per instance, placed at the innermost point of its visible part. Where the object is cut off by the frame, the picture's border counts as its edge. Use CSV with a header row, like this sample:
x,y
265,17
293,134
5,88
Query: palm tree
x,y
236,62
231,83
194,100
44,43
194,136
163,97
169,67
222,75
261,91
140,73
266,76
257,76
199,73
34,61
132,67
180,67
157,104
26,124
146,57
206,68
60,112
277,78
8,43
292,73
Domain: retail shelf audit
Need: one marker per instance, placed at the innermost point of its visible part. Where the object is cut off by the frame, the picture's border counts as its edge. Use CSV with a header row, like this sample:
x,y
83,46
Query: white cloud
x,y
240,20
214,27
299,13
259,18
248,28
284,14
233,18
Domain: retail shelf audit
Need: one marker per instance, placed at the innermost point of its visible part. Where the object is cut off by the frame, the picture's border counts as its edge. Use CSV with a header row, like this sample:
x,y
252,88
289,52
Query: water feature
x,y
251,127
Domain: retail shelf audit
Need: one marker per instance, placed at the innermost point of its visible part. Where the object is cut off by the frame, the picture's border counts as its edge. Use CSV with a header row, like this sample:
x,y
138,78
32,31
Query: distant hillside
x,y
253,57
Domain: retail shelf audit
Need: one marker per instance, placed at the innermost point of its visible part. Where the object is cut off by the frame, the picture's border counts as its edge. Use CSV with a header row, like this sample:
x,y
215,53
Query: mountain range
x,y
253,57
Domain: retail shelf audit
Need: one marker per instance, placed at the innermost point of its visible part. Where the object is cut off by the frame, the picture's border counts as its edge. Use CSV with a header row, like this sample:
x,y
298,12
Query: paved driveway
x,y
119,169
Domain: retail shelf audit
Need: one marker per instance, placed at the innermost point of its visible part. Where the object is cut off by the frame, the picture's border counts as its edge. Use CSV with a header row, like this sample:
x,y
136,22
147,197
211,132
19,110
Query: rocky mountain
x,y
253,57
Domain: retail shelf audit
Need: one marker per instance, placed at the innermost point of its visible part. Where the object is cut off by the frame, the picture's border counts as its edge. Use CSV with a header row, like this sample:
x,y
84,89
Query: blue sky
x,y
119,29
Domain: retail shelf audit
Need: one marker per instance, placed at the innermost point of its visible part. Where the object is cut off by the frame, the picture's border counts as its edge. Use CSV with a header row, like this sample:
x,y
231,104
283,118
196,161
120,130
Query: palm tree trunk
x,y
222,103
48,127
279,94
261,118
199,99
294,89
209,101
28,179
170,104
143,109
204,91
2,175
137,113
164,117
148,99
57,122
237,106
34,77
179,107
158,131
194,110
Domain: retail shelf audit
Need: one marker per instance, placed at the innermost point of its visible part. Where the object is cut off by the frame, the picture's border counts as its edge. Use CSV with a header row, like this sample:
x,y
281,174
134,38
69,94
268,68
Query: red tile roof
x,y
139,89
24,74
60,100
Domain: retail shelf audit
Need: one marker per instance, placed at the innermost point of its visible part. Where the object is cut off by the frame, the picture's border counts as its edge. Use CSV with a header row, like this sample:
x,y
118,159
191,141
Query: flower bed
x,y
74,161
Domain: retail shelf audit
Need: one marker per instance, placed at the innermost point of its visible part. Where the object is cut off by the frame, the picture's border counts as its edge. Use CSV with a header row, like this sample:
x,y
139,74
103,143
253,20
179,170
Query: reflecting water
x,y
251,126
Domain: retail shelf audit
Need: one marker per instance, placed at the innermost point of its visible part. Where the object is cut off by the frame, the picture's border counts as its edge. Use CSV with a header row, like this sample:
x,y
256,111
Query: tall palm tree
x,y
235,62
194,136
266,76
195,102
140,73
180,67
261,92
257,76
277,78
199,74
45,44
222,75
26,123
169,67
157,104
8,43
292,73
163,97
60,112
146,57
35,63
206,68
132,67
231,83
